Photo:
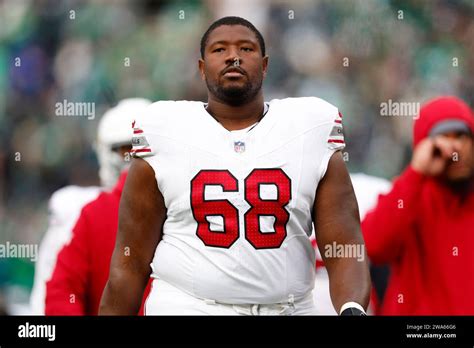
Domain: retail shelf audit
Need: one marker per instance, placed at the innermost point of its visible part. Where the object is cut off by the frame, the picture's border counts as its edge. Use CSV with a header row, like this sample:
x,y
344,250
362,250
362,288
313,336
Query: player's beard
x,y
234,95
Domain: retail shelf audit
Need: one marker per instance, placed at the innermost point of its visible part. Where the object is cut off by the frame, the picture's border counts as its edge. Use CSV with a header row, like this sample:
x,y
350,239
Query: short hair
x,y
232,20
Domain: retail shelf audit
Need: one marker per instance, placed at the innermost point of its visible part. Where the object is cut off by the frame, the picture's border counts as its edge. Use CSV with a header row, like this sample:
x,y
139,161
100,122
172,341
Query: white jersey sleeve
x,y
65,207
140,145
328,131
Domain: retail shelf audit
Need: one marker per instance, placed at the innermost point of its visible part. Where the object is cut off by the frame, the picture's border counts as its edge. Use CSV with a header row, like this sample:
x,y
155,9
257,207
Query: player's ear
x,y
265,65
201,69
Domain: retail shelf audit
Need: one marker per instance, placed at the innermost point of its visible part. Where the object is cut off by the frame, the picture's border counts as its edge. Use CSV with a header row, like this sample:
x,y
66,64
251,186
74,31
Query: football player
x,y
113,143
222,197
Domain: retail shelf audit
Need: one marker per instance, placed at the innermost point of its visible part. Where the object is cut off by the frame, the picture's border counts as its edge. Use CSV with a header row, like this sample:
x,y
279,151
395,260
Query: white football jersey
x,y
239,204
65,207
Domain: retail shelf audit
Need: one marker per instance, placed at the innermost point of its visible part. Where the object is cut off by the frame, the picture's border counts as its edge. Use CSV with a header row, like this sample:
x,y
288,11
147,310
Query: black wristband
x,y
353,311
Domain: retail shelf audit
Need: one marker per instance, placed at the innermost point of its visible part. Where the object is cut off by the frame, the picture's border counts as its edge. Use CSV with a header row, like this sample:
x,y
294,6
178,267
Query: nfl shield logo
x,y
239,146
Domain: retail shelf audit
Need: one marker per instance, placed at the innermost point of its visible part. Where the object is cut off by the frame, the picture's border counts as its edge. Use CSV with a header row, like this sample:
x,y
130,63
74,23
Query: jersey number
x,y
259,207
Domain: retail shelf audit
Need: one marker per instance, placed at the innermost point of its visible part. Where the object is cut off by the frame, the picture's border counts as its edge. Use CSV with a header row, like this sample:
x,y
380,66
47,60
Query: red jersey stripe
x,y
319,263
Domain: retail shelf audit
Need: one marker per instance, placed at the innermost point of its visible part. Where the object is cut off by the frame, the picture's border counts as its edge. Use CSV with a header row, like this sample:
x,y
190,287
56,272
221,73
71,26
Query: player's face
x,y
462,165
233,66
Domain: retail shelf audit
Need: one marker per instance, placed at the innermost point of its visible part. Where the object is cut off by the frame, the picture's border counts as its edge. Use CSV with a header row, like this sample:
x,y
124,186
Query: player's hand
x,y
431,155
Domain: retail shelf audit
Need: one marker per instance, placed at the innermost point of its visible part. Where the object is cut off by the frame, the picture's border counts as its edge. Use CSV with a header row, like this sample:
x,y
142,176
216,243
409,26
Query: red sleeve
x,y
385,227
66,291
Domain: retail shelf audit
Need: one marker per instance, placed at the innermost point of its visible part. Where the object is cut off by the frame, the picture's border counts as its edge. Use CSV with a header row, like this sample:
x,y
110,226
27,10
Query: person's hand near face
x,y
449,155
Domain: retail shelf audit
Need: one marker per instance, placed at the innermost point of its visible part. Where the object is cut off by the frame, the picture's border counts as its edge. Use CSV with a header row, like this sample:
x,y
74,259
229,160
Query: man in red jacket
x,y
424,227
82,267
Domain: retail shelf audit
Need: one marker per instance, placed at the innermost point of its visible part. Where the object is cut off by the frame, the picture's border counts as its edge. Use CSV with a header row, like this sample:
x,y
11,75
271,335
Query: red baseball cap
x,y
442,113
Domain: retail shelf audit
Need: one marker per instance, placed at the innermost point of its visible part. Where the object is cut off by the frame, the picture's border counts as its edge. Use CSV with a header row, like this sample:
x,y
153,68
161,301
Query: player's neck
x,y
236,117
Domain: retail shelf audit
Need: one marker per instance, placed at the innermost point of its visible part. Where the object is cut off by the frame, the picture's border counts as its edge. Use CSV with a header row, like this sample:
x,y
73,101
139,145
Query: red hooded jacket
x,y
82,266
425,232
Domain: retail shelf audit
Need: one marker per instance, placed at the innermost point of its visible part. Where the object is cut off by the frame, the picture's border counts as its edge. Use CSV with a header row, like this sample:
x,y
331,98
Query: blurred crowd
x,y
354,54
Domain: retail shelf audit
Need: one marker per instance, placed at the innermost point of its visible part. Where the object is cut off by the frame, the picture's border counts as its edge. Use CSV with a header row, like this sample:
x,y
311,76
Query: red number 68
x,y
259,207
